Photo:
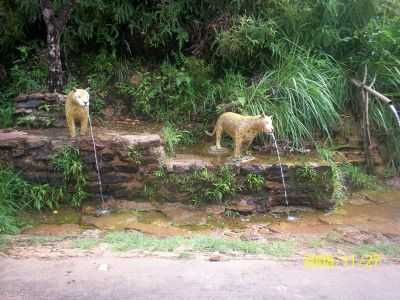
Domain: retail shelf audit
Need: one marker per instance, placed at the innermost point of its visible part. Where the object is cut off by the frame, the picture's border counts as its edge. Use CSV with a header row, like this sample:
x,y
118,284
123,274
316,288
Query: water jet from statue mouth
x,y
102,210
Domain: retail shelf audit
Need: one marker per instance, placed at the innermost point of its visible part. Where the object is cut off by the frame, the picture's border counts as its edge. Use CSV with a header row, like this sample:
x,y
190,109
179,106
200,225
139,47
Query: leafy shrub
x,y
172,93
28,74
68,162
381,53
249,44
27,78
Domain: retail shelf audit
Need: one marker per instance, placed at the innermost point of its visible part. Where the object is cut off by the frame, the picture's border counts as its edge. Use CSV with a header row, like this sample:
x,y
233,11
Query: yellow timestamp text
x,y
329,260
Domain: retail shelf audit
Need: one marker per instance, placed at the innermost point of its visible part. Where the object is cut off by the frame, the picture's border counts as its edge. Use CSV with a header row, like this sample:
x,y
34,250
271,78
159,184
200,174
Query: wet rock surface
x,y
184,215
54,230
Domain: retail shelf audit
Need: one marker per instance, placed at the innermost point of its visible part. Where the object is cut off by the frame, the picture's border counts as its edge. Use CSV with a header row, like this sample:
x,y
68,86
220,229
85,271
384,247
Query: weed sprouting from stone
x,y
254,182
135,155
68,162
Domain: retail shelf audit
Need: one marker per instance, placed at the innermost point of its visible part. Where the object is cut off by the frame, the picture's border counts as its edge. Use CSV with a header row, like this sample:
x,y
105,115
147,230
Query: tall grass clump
x,y
172,137
305,94
357,178
17,194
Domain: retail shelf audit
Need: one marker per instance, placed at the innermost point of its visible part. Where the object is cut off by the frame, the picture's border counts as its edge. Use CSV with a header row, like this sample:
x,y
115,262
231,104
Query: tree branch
x,y
371,90
63,15
47,11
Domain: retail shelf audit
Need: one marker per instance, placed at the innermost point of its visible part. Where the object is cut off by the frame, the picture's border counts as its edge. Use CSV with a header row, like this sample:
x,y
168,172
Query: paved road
x,y
151,278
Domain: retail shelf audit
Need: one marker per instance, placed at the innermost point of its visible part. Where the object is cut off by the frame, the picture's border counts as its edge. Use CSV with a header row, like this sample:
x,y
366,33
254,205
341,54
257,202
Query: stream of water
x,y
290,218
97,163
280,166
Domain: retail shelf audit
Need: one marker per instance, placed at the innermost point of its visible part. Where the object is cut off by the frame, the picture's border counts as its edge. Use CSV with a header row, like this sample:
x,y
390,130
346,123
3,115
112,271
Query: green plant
x,y
85,244
28,74
149,191
34,121
8,221
125,241
68,162
70,85
205,185
304,94
45,196
26,121
13,197
135,154
208,243
96,106
172,137
335,175
249,43
98,84
176,93
307,173
254,182
45,107
160,173
231,213
388,249
16,194
6,114
315,243
218,184
358,178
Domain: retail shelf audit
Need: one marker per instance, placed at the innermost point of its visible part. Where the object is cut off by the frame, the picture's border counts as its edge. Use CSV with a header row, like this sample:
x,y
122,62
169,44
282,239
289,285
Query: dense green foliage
x,y
17,194
187,60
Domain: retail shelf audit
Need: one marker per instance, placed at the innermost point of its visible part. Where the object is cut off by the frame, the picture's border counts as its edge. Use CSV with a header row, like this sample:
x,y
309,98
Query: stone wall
x,y
31,153
128,163
40,110
300,191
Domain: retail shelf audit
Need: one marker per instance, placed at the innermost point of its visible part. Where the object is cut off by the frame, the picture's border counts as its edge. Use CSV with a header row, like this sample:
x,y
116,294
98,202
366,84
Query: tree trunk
x,y
55,79
55,26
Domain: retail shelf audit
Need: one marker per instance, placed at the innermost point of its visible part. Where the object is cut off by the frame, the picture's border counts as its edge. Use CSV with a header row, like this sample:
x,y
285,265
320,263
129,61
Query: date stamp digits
x,y
328,260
